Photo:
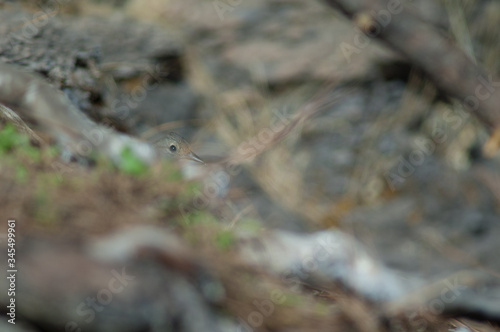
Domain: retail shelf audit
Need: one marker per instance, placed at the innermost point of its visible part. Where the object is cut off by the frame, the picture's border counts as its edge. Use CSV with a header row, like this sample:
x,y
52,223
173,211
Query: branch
x,y
424,46
35,100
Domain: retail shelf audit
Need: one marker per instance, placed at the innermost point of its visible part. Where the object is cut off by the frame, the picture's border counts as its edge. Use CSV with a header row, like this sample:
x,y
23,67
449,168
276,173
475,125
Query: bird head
x,y
176,147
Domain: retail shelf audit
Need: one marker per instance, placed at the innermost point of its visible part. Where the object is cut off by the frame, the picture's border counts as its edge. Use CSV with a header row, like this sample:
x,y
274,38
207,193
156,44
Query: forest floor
x,y
394,163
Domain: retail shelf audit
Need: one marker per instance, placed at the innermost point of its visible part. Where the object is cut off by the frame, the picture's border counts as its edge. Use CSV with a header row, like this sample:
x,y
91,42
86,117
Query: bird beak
x,y
193,156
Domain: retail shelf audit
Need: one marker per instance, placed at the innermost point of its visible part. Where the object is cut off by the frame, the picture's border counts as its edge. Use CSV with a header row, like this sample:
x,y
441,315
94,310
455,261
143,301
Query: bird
x,y
175,147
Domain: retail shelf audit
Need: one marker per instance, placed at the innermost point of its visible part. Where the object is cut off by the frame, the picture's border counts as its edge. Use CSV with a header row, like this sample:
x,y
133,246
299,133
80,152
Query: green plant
x,y
10,138
131,164
224,239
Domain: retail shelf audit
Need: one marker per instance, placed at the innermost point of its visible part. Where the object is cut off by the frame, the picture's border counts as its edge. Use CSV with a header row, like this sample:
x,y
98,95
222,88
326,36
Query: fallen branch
x,y
35,100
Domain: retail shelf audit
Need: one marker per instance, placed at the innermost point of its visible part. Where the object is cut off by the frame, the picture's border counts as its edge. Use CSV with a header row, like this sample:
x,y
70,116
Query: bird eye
x,y
173,148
